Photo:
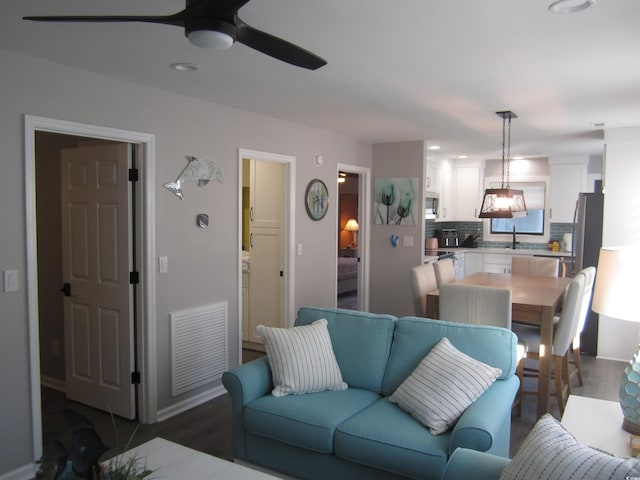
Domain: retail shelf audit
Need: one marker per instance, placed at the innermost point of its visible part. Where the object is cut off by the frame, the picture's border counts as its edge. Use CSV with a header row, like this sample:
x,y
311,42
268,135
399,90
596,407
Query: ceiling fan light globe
x,y
210,39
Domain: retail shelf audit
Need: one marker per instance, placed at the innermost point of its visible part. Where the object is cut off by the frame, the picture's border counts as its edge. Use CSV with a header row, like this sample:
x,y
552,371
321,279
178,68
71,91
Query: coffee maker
x,y
447,237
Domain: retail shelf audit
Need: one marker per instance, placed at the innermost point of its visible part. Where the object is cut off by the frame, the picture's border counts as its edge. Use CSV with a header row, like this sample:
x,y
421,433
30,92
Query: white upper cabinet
x,y
567,181
468,192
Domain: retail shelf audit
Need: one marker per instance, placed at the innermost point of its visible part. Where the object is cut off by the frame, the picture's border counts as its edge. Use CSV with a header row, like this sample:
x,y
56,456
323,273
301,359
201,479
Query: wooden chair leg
x,y
558,377
576,362
566,378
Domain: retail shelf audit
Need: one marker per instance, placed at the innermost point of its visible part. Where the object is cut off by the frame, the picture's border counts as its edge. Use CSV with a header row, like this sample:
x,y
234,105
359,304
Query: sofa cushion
x,y
443,385
414,337
301,359
306,421
551,452
386,437
361,342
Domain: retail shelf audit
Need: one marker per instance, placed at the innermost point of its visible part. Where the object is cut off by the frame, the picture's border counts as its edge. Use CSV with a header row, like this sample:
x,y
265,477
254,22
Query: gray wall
x,y
390,290
202,263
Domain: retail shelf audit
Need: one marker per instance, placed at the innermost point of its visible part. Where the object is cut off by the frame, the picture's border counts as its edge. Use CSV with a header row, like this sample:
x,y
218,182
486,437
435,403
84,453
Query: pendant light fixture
x,y
504,202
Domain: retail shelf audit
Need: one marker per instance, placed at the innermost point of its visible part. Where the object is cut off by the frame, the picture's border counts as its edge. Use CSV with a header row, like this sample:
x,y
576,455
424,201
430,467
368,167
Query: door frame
x,y
364,215
289,236
147,397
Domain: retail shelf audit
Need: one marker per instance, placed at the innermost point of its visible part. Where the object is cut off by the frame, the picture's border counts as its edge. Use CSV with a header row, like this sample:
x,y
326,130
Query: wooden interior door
x,y
96,255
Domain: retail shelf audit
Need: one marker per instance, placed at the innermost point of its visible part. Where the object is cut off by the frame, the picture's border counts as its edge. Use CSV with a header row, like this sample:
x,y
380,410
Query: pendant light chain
x,y
509,155
503,138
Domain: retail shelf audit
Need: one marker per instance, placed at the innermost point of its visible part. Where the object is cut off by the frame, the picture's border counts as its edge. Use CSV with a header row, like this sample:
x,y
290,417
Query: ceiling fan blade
x,y
176,19
276,47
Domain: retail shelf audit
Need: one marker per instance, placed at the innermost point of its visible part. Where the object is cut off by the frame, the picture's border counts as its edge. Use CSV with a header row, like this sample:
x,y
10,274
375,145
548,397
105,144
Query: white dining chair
x,y
534,266
590,276
423,280
480,305
445,271
562,340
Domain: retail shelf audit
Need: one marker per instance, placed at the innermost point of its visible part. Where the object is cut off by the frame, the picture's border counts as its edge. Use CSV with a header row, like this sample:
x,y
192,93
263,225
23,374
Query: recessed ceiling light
x,y
434,147
570,6
463,156
185,67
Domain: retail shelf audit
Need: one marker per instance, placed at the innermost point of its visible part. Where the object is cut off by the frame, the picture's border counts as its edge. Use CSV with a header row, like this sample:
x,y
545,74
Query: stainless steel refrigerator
x,y
587,240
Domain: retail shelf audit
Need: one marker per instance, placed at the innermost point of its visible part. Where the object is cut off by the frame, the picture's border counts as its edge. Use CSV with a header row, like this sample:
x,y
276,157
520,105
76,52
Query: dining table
x,y
534,301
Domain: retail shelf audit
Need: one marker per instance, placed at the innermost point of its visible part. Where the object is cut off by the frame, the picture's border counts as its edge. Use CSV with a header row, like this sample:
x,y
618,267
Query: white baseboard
x,y
23,473
189,403
54,383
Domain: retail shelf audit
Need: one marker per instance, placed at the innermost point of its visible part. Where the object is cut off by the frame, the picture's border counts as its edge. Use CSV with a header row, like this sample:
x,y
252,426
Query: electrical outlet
x,y
407,241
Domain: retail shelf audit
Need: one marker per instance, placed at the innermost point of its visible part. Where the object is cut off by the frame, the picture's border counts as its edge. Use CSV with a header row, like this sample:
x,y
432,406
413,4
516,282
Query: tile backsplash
x,y
467,228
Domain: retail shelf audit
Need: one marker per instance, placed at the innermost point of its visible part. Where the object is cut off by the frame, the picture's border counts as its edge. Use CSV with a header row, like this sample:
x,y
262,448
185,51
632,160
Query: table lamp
x,y
352,226
615,295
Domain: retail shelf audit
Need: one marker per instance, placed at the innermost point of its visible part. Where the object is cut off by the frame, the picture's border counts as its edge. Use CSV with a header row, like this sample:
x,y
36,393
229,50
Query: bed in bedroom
x,y
347,274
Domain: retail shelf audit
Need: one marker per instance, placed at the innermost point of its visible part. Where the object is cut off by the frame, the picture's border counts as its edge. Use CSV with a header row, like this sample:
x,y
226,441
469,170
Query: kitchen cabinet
x,y
245,306
429,181
473,263
443,180
566,182
458,263
468,192
263,295
497,263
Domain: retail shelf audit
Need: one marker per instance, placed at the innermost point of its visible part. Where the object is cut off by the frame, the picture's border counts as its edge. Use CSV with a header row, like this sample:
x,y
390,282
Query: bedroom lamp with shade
x,y
615,295
352,226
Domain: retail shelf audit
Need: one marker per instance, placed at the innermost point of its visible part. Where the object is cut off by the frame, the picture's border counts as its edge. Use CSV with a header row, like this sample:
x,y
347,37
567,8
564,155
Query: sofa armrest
x,y
486,425
245,383
465,463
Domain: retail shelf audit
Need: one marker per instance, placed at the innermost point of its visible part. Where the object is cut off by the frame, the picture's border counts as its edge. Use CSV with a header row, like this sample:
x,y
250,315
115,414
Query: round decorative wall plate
x,y
316,199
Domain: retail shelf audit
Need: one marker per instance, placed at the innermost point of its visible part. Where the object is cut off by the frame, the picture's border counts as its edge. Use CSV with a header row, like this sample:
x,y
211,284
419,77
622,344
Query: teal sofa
x,y
357,433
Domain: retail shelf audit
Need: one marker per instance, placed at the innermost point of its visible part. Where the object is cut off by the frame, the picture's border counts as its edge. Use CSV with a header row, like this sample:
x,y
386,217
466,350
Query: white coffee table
x,y
169,460
597,423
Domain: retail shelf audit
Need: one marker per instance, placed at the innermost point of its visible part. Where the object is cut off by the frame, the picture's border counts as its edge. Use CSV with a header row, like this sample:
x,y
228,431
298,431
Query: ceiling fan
x,y
212,24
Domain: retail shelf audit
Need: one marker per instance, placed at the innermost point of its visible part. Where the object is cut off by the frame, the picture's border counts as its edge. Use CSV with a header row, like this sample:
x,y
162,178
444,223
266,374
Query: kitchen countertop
x,y
517,251
499,251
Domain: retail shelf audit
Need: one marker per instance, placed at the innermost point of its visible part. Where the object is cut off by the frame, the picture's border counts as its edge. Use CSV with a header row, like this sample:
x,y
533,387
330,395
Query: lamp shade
x,y
614,295
352,225
503,203
616,287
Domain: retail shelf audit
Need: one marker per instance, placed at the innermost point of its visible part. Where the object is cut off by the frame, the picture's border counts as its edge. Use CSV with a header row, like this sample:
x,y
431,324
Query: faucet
x,y
513,242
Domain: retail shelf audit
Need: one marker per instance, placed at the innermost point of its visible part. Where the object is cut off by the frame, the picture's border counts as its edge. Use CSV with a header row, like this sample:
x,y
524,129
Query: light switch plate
x,y
407,241
163,264
10,280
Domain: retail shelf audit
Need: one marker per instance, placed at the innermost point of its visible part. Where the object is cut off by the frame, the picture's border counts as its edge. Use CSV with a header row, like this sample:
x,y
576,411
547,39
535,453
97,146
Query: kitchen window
x,y
534,227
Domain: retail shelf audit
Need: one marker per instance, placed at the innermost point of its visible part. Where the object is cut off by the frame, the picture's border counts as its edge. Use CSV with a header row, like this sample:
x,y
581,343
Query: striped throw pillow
x,y
550,452
301,359
443,386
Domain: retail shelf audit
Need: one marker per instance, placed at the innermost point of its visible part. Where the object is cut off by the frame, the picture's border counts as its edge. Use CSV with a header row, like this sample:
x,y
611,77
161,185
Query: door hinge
x,y
133,174
135,378
134,278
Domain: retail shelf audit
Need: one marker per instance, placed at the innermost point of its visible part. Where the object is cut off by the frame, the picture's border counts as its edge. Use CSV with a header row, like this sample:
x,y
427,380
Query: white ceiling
x,y
397,69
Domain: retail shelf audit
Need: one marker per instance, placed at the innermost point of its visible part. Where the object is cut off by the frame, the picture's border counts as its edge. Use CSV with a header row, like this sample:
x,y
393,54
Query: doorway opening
x,y
266,261
352,238
39,131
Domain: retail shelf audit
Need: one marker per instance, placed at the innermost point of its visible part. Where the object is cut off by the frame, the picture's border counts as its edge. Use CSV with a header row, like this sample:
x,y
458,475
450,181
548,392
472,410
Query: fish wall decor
x,y
198,168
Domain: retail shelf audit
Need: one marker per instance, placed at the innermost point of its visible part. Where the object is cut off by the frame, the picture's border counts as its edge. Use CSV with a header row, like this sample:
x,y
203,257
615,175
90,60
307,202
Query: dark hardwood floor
x,y
207,428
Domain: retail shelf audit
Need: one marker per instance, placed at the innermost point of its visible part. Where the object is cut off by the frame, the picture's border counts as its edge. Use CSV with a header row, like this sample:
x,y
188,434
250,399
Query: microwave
x,y
431,205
